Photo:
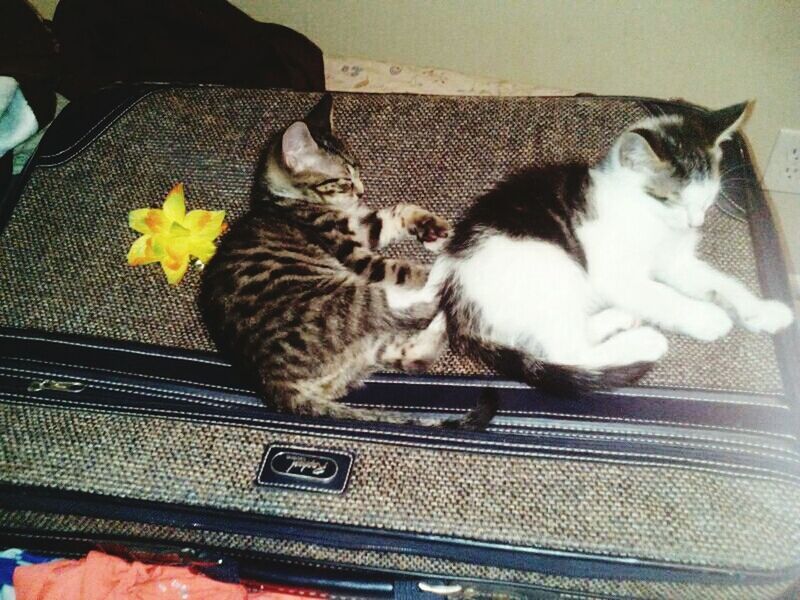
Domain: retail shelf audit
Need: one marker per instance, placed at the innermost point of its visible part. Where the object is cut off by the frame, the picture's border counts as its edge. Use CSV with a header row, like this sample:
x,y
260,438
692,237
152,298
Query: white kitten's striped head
x,y
678,160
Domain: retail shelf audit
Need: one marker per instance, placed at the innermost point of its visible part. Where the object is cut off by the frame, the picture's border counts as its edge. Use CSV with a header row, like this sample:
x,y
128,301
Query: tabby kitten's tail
x,y
476,419
560,380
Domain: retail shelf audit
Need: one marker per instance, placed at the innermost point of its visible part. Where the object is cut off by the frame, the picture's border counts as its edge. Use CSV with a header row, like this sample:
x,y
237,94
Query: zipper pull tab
x,y
440,589
37,385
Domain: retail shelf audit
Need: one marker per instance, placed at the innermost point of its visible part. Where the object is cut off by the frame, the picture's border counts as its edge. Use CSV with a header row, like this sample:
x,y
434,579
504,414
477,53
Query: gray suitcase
x,y
120,424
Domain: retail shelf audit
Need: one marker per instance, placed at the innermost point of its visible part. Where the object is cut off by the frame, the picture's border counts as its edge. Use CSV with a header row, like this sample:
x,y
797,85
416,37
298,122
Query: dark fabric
x,y
409,590
27,53
182,41
5,173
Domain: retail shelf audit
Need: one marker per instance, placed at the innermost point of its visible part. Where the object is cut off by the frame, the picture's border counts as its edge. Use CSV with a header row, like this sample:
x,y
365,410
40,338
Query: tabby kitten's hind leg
x,y
415,352
318,396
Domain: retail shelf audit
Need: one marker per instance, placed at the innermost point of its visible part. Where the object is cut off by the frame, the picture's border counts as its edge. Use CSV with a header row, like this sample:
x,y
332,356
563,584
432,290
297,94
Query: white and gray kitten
x,y
550,275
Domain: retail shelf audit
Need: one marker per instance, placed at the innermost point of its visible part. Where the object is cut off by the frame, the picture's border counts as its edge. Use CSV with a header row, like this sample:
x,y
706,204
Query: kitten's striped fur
x,y
297,296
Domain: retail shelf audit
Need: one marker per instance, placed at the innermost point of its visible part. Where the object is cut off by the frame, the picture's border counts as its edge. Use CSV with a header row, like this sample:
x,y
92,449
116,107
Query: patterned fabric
x,y
293,552
696,511
63,251
10,559
363,75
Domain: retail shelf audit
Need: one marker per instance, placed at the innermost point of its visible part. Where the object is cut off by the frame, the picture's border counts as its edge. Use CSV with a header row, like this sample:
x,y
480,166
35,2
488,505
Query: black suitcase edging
x,y
542,560
184,372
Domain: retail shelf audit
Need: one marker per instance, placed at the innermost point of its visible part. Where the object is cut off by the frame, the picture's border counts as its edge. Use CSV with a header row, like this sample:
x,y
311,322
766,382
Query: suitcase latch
x,y
37,385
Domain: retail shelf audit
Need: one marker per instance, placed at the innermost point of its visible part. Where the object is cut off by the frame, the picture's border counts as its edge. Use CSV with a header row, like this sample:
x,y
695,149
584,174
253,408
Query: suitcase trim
x,y
542,560
175,370
774,464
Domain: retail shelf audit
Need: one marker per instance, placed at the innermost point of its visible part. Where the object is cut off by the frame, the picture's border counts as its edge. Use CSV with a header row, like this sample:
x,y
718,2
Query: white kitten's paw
x,y
768,315
609,321
649,344
706,322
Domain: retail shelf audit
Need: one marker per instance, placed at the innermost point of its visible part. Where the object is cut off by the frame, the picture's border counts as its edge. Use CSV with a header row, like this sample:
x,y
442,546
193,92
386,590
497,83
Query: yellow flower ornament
x,y
171,236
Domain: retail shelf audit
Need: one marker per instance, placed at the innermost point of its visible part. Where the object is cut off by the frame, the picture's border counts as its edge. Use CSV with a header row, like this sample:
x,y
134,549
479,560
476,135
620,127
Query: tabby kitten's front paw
x,y
769,316
430,229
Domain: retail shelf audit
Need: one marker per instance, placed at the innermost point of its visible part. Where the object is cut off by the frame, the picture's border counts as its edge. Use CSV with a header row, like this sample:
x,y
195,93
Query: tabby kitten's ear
x,y
298,148
723,122
640,150
320,118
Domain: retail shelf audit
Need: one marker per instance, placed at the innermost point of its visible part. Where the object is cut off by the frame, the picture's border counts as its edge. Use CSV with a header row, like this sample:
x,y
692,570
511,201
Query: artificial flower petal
x,y
205,223
174,267
157,247
178,230
175,205
141,252
147,220
174,246
202,249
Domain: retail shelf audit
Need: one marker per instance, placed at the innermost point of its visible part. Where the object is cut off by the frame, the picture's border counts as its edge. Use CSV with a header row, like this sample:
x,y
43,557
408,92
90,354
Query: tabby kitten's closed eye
x,y
549,276
296,295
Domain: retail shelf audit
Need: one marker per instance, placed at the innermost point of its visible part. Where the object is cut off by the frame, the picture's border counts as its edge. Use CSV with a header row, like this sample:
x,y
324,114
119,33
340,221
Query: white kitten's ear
x,y
723,122
298,147
639,150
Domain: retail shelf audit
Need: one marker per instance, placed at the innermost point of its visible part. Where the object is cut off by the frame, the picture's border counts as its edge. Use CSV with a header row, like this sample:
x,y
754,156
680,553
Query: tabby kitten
x,y
297,296
550,275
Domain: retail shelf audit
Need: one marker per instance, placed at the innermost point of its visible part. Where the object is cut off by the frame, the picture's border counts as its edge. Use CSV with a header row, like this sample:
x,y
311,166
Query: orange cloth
x,y
103,577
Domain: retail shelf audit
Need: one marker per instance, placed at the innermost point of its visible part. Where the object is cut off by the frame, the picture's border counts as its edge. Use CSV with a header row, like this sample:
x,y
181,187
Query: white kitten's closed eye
x,y
535,286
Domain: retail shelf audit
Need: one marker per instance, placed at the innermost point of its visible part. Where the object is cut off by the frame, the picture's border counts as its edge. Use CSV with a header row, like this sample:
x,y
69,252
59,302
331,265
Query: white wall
x,y
712,52
707,51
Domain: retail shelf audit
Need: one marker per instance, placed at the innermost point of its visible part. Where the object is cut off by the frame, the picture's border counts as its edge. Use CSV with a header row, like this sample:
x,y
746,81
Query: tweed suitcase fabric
x,y
693,512
298,553
721,500
63,253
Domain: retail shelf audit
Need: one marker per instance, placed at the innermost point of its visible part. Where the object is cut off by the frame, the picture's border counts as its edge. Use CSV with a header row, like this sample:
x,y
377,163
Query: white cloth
x,y
17,121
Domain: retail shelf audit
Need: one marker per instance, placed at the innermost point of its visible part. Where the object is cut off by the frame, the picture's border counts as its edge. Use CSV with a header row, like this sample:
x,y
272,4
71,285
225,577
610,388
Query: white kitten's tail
x,y
560,380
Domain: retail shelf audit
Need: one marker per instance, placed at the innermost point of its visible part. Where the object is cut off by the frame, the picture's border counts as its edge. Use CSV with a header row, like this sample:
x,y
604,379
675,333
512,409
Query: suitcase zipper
x,y
234,409
37,385
495,554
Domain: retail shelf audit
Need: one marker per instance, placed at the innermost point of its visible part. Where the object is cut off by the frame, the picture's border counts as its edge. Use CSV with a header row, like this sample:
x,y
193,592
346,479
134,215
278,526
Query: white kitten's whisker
x,y
537,259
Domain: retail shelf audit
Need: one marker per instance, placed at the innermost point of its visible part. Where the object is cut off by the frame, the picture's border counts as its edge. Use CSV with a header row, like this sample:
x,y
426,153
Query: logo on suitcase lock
x,y
306,469
304,466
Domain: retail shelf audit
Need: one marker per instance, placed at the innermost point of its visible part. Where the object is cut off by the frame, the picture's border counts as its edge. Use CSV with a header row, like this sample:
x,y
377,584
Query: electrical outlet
x,y
783,168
